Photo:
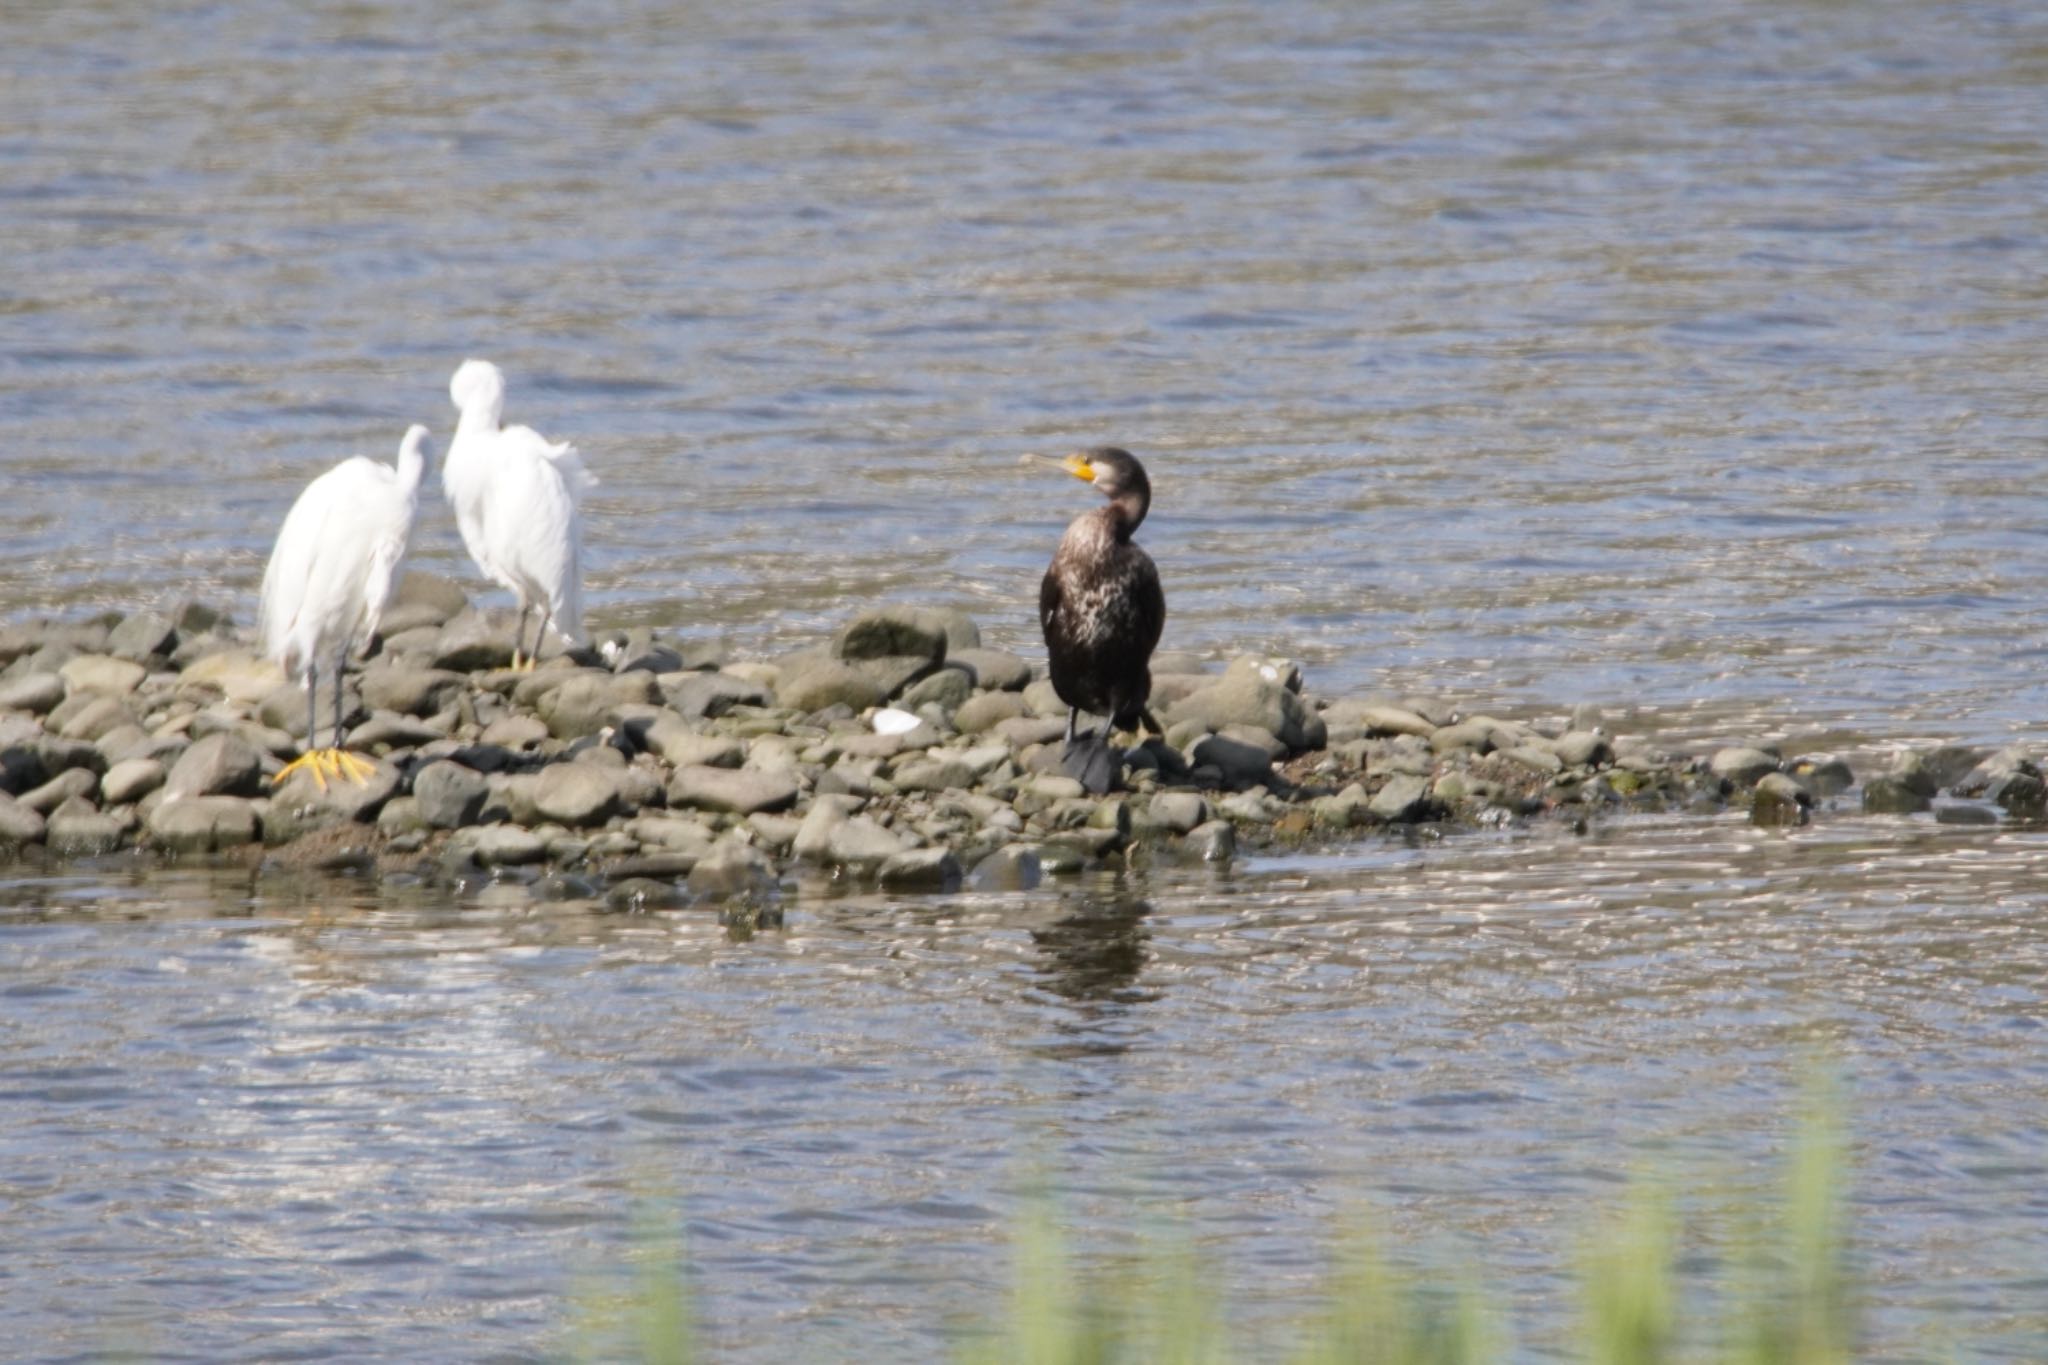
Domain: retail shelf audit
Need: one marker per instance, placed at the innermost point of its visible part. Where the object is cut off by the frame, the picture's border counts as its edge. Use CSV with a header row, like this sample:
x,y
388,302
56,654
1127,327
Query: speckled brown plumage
x,y
1101,605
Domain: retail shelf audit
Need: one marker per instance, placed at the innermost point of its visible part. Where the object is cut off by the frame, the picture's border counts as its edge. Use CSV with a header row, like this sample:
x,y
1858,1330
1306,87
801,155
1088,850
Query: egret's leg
x,y
547,614
519,637
310,758
312,705
330,761
354,767
340,667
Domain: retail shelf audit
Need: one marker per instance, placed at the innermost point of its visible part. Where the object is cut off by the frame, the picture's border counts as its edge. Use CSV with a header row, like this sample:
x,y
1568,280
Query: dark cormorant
x,y
1102,611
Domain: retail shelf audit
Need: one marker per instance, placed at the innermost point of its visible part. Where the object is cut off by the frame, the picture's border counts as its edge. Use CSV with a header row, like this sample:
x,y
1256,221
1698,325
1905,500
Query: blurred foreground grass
x,y
1777,1291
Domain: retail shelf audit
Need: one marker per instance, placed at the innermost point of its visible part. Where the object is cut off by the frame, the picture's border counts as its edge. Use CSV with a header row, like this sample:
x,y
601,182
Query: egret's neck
x,y
480,417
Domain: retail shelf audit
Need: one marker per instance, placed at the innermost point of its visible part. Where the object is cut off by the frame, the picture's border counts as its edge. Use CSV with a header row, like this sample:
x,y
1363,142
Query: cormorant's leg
x,y
1073,714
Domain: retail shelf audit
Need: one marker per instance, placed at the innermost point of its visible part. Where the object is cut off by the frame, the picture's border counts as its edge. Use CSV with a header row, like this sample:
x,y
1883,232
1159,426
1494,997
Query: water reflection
x,y
1096,950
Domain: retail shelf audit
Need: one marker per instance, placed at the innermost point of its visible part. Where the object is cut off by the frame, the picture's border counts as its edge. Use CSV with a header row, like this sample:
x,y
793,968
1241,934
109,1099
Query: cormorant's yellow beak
x,y
1077,465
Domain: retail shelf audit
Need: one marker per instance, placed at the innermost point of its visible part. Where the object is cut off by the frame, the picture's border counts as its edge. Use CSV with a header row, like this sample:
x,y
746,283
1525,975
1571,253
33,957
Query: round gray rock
x,y
1742,765
739,790
448,795
579,794
892,631
222,764
202,824
131,780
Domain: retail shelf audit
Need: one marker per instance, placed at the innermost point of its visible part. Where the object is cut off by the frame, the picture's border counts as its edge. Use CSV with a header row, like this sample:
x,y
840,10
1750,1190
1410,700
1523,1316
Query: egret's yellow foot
x,y
326,763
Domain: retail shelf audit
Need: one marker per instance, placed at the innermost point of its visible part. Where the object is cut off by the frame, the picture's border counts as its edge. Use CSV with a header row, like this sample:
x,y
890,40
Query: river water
x,y
1679,359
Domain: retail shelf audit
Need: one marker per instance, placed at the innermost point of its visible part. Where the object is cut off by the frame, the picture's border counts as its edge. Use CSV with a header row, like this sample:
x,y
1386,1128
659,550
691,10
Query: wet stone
x,y
740,791
931,775
580,704
1535,758
1779,802
2021,794
987,710
221,764
1475,735
19,824
578,794
471,644
1823,774
410,691
387,730
711,695
302,805
239,674
1891,796
893,674
733,870
515,732
993,670
143,636
102,673
637,895
76,830
1404,800
203,824
892,632
1582,748
74,782
1013,867
862,845
449,795
813,839
819,683
947,689
922,869
1213,842
36,693
503,845
1742,765
1179,812
131,780
99,716
1964,813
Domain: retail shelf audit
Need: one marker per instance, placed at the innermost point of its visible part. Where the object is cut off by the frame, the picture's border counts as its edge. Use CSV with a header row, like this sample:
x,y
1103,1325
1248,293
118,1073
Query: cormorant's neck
x,y
1127,510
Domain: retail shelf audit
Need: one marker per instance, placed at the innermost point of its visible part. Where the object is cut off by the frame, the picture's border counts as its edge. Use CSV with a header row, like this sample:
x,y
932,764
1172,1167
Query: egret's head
x,y
478,386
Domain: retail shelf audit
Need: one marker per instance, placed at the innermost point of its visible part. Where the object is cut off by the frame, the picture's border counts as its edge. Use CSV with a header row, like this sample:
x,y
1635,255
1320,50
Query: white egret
x,y
331,575
516,497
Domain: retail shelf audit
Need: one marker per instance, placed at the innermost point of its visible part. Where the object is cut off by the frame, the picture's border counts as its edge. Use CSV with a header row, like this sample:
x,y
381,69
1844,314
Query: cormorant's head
x,y
1111,469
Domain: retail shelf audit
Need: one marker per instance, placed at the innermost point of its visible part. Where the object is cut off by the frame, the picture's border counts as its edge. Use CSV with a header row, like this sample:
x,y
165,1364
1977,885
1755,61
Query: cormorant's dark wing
x,y
1151,600
1048,601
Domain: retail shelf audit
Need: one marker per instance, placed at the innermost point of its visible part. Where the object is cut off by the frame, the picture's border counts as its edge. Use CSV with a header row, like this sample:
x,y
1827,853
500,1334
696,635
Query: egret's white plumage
x,y
517,500
335,565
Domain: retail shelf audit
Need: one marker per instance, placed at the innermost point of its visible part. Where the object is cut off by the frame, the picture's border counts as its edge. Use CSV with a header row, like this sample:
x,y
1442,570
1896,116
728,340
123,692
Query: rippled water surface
x,y
1683,359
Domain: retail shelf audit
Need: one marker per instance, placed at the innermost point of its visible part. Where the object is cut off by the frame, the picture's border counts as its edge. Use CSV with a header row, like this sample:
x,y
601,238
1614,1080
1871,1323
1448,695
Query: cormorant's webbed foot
x,y
1090,760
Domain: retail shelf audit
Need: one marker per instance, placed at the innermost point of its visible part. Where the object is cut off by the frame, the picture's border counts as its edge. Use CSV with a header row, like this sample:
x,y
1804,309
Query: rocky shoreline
x,y
902,754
